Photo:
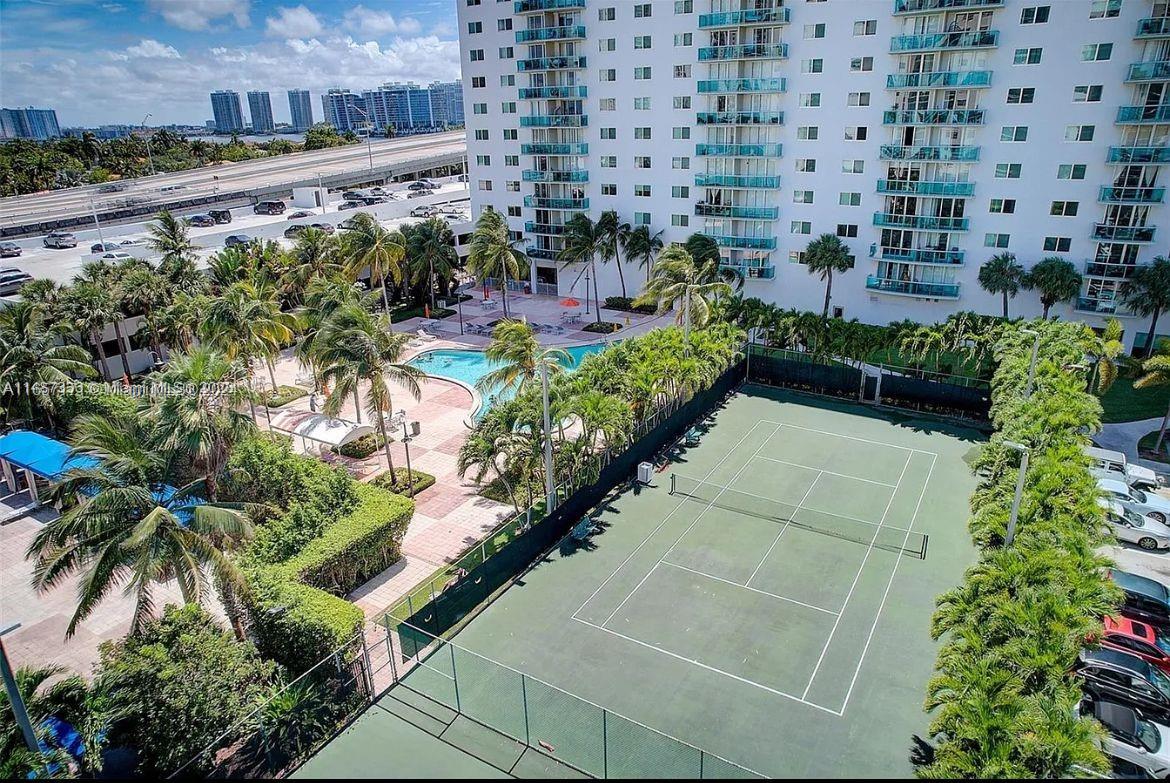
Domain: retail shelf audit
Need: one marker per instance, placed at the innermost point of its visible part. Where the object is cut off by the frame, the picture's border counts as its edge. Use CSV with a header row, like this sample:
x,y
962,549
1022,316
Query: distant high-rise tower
x,y
300,107
225,106
260,107
447,102
344,110
30,123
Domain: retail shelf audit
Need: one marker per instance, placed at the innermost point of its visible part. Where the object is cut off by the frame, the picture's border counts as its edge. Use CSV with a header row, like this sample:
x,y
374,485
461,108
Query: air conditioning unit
x,y
645,472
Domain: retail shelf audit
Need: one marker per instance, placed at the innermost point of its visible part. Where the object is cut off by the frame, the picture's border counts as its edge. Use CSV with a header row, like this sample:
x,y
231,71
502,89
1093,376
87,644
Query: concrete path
x,y
1124,437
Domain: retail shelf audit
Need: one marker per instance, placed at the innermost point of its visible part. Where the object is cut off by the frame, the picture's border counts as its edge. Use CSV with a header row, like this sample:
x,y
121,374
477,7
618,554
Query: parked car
x,y
220,216
1148,503
117,255
371,200
295,230
352,195
1137,638
1145,599
300,213
60,239
10,250
1132,737
425,210
103,247
461,178
1112,675
346,224
134,241
1134,528
269,208
326,227
236,239
420,184
417,193
378,191
111,187
201,221
12,280
349,205
1115,461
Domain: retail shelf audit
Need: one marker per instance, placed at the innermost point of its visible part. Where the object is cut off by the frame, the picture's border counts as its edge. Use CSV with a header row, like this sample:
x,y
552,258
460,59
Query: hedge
x,y
605,327
360,448
283,395
397,481
626,304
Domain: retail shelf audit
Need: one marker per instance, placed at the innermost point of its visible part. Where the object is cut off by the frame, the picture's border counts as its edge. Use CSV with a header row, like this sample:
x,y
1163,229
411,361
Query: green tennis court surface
x,y
773,610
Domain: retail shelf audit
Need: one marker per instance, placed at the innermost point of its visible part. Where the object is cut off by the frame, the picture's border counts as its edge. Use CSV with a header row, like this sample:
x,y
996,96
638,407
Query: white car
x,y
1132,738
1149,504
1128,525
426,210
116,256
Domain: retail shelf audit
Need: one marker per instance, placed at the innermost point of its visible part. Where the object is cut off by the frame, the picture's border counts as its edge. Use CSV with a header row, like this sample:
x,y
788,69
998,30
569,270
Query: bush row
x,y
626,304
398,480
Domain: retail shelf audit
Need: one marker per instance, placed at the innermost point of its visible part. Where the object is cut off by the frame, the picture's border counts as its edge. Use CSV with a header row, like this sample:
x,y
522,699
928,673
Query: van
x,y
1116,462
220,215
269,208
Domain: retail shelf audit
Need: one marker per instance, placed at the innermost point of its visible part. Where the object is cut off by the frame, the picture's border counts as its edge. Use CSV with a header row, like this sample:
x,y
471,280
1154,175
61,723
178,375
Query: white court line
x,y
856,579
886,594
747,587
665,519
829,472
776,540
436,671
850,437
702,665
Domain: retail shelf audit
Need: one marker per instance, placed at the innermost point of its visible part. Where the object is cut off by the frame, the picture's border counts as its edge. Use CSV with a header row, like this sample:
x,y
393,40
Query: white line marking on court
x,y
747,587
889,584
850,437
776,540
702,665
856,579
829,472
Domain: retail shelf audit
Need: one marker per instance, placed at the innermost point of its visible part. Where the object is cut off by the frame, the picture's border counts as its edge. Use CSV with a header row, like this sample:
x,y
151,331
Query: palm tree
x,y
614,236
584,240
179,321
315,255
1057,280
169,237
1147,293
1156,372
432,256
247,322
90,309
109,278
1002,274
1109,350
602,414
492,253
678,277
367,245
642,246
30,353
825,255
145,291
520,357
46,693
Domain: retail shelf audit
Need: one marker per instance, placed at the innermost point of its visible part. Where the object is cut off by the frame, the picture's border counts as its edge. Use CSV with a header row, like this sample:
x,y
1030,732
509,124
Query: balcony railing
x,y
1108,270
544,148
1098,306
1142,114
929,152
1131,195
542,202
740,118
739,150
1112,233
924,42
564,33
899,81
551,229
924,256
1154,70
537,6
927,6
544,253
759,268
920,188
744,243
550,64
1153,27
746,16
532,175
560,91
912,288
771,84
554,121
736,211
743,52
934,117
736,181
920,222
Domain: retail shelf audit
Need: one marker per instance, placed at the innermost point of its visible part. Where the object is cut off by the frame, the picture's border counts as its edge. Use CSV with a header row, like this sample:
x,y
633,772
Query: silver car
x,y
1147,503
1130,526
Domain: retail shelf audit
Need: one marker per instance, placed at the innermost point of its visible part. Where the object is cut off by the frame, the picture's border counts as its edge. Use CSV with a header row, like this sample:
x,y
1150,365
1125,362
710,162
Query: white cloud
x,y
370,22
148,47
298,22
200,14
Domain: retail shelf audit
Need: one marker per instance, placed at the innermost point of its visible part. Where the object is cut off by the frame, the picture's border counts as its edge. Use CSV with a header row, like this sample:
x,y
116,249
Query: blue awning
x,y
44,456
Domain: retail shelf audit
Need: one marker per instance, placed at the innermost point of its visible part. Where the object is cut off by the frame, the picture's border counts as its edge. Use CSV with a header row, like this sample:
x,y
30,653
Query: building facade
x,y
344,110
260,108
447,103
300,109
930,135
29,123
225,107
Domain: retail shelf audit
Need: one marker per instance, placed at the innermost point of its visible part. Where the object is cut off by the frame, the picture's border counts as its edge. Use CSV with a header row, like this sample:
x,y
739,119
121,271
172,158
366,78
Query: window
x,y
1037,14
506,53
474,27
609,133
1014,133
1087,93
867,27
1096,52
1071,171
511,160
504,24
681,132
996,240
641,134
684,6
680,220
1104,9
1007,170
810,99
475,55
642,10
641,161
483,160
1002,206
802,197
478,81
861,64
481,134
853,166
682,101
807,132
1057,244
642,190
606,14
642,104
513,211
858,99
472,2
681,71
512,186
796,256
511,134
858,133
683,162
814,30
816,65
680,191
1021,95
641,42
847,230
1027,56
848,199
641,72
508,80
801,227
607,75
479,108
806,164
641,218
607,45
682,39
1064,208
607,104
609,161
1079,133
608,189
484,184
508,107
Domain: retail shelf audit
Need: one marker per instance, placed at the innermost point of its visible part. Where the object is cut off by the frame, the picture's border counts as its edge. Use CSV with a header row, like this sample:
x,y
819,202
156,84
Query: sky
x,y
113,61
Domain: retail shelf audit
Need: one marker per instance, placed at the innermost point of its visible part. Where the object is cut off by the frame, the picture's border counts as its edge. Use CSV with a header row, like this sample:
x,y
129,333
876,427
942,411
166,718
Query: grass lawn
x,y
1125,403
950,363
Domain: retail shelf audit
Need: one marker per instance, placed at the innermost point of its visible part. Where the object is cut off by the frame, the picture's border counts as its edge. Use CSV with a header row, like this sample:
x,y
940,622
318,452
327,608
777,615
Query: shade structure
x,y
46,457
318,427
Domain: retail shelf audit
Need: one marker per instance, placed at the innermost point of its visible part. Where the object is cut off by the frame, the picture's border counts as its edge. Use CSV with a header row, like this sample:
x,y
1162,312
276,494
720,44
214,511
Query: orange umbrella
x,y
570,302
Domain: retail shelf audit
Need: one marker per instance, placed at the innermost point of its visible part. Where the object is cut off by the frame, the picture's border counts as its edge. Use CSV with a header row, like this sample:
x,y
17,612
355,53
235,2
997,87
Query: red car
x,y
1137,638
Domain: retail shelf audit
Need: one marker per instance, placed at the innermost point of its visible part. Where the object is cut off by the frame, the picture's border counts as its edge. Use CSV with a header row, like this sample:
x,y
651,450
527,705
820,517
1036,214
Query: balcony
x,y
941,153
736,181
736,211
531,175
1098,306
554,149
543,202
929,6
743,52
539,6
1153,27
746,16
756,268
773,84
1110,233
1108,270
900,81
544,253
550,229
920,188
744,243
923,256
558,92
912,288
925,42
554,121
920,222
740,118
1152,71
1111,195
739,150
565,33
550,64
934,117
1137,115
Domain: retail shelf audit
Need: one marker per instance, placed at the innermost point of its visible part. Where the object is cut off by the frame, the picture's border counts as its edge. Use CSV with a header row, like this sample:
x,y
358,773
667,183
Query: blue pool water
x,y
469,366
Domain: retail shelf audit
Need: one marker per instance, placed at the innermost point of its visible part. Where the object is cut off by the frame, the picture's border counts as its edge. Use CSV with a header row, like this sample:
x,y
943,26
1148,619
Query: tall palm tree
x,y
1147,293
432,259
367,245
642,246
679,278
492,253
169,236
1003,275
584,241
145,291
602,414
1109,352
519,356
614,235
90,309
825,255
30,353
102,275
179,321
323,298
246,322
1055,279
1156,372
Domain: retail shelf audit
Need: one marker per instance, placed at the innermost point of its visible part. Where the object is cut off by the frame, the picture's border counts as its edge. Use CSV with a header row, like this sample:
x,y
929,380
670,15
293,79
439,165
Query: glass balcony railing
x,y
927,6
1154,27
739,150
554,121
564,33
544,148
532,175
1092,304
746,16
1108,270
545,253
1111,233
913,288
900,81
934,117
1154,70
925,42
771,84
740,118
736,181
1131,195
1143,114
920,222
929,152
542,202
551,229
759,268
920,188
550,64
736,211
561,91
923,256
537,6
744,243
1139,155
743,52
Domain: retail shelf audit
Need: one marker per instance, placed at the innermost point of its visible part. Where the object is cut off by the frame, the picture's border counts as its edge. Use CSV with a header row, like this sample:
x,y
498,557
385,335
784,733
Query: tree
x,y
145,291
825,255
1156,372
642,246
518,357
584,240
679,278
614,236
1055,279
169,236
1109,352
1147,293
431,255
46,694
367,245
30,354
1002,274
246,322
492,253
90,309
602,414
315,255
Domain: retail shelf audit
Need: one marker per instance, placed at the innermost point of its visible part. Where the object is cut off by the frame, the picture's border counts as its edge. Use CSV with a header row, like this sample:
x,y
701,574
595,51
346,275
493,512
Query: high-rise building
x,y
300,108
400,106
344,110
225,106
447,103
29,123
260,107
929,135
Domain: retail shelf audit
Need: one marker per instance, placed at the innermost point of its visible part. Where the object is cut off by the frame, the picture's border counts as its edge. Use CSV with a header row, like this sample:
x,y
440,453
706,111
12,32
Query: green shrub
x,y
266,471
283,395
626,304
296,624
362,447
605,327
398,481
85,398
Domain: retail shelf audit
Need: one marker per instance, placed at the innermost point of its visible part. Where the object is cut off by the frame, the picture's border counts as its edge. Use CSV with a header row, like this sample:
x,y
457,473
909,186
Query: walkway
x,y
1124,437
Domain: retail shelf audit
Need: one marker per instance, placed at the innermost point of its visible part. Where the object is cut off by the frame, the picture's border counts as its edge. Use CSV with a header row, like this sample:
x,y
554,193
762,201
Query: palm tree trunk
x,y
617,259
386,447
96,337
1044,314
504,289
828,293
596,301
1162,431
122,349
1005,304
272,374
1153,331
385,299
357,405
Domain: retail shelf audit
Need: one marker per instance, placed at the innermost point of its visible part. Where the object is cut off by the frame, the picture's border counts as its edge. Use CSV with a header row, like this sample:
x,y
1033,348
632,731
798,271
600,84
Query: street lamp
x,y
146,135
409,429
15,700
1024,452
97,223
320,193
459,300
369,132
1035,357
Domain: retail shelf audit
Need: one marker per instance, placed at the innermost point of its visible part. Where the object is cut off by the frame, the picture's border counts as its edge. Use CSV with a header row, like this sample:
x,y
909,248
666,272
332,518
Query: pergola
x,y
36,456
328,431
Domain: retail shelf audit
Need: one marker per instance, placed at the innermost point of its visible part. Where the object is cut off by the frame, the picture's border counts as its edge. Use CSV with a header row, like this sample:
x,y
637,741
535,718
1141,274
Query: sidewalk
x,y
1124,437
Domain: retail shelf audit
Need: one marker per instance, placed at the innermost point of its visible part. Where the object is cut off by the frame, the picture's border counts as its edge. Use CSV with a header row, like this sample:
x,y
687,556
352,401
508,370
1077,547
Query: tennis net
x,y
887,537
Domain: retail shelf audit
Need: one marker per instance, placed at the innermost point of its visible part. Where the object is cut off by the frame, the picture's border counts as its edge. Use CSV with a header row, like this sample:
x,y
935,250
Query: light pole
x,y
97,223
459,300
1024,452
146,135
1035,357
550,496
320,193
15,700
408,429
369,131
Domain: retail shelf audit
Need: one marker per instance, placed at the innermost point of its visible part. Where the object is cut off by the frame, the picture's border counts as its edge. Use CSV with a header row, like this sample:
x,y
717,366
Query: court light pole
x,y
1015,516
1035,358
369,132
146,135
550,498
15,700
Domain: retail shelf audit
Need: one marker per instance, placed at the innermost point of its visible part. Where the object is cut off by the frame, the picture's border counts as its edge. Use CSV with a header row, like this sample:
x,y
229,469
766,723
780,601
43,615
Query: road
x,y
244,176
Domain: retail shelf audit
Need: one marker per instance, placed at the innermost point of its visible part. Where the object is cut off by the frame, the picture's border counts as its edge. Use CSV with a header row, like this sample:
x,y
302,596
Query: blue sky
x,y
113,61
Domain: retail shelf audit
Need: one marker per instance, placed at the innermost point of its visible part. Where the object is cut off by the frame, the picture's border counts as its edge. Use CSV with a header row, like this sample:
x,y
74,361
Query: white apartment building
x,y
929,135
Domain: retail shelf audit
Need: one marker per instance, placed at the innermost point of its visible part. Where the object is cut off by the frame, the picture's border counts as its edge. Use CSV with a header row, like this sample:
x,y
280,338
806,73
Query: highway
x,y
246,176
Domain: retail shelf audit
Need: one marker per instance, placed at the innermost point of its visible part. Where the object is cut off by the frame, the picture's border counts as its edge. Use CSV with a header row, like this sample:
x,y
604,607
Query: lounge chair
x,y
425,336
